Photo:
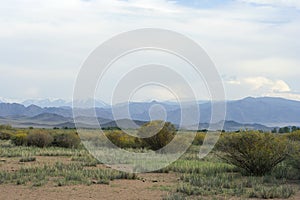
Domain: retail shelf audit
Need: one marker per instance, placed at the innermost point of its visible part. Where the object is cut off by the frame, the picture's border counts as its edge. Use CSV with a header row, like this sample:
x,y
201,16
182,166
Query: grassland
x,y
31,168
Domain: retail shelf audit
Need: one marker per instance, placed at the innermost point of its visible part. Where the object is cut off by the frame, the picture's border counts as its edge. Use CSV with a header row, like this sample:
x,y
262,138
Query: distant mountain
x,y
124,124
264,110
10,109
48,120
234,126
49,117
62,103
249,111
46,103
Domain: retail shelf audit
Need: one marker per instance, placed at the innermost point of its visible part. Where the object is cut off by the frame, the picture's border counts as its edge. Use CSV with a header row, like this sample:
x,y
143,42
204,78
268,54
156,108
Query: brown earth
x,y
148,186
118,189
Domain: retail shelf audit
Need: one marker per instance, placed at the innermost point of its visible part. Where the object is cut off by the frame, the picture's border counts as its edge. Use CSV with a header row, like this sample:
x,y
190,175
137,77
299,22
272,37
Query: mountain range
x,y
252,113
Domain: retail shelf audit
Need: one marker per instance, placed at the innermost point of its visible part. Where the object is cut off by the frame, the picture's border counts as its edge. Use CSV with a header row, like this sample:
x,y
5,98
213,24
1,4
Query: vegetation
x,y
246,164
67,140
27,159
156,134
256,153
122,139
19,139
39,139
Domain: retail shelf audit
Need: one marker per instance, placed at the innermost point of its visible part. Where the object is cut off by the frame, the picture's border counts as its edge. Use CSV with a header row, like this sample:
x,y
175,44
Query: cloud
x,y
263,83
49,40
288,3
261,86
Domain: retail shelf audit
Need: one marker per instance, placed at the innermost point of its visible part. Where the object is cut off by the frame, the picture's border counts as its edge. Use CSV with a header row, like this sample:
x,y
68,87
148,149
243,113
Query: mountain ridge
x,y
263,110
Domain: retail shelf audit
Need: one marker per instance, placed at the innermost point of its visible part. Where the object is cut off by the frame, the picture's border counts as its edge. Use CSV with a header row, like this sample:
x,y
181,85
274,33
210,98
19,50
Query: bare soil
x,y
148,186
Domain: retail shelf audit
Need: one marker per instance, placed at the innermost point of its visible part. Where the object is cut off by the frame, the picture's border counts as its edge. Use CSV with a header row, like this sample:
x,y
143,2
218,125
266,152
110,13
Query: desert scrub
x,y
18,151
122,139
293,136
66,140
156,134
39,139
254,152
175,196
233,184
19,139
87,160
62,174
199,138
287,170
27,159
282,192
203,167
5,135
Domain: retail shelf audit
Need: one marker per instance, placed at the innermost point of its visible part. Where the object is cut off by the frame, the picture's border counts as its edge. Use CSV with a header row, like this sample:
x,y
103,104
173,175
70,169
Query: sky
x,y
254,43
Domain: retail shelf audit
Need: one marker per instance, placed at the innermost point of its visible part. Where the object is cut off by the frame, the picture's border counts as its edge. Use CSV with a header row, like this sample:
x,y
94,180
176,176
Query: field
x,y
30,172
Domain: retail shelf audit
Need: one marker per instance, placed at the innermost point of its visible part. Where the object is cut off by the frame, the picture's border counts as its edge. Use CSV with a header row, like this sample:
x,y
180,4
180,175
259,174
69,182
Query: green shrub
x,y
294,158
157,134
256,153
5,135
199,138
282,192
27,159
294,136
122,139
39,139
66,140
19,139
5,127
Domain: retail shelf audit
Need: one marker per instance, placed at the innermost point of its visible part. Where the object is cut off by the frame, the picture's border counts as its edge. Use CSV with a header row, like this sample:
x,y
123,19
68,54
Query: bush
x,y
67,140
199,138
39,139
256,153
20,139
4,135
122,139
282,192
27,159
294,136
5,127
161,133
294,158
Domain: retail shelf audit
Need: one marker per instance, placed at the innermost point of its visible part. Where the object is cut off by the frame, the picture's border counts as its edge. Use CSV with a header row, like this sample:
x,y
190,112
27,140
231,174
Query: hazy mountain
x,y
62,103
124,124
49,117
234,126
265,111
46,103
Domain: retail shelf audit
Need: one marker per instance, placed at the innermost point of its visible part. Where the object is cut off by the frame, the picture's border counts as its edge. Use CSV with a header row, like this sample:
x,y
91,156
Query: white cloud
x,y
281,86
261,83
289,3
49,40
261,86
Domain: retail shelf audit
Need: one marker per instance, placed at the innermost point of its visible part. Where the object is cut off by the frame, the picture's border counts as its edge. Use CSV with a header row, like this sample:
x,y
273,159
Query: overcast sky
x,y
254,43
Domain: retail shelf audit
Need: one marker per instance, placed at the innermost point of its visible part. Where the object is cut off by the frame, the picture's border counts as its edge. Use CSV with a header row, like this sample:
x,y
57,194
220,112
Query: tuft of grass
x,y
175,196
62,174
282,192
27,159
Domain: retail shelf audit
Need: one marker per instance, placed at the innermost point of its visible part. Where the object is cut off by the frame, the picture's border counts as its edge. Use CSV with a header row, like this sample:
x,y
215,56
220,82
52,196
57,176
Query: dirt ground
x,y
148,186
118,189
